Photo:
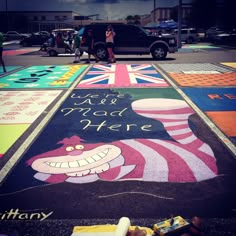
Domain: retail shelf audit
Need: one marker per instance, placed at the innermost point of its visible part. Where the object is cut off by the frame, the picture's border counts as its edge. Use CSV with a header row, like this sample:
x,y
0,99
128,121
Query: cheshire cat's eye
x,y
69,149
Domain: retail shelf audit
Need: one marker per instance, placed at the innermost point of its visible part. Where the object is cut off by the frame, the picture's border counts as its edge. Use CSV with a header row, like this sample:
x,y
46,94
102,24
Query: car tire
x,y
52,53
101,53
159,52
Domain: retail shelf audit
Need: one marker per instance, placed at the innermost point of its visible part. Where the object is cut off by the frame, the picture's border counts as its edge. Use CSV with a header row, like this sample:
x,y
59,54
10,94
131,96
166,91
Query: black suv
x,y
129,39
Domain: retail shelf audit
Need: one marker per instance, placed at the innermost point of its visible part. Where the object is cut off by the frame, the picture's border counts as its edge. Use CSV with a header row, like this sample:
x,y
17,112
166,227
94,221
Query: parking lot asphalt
x,y
86,144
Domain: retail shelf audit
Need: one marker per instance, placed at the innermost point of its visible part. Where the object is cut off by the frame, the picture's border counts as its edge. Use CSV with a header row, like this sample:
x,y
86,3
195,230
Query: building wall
x,y
162,14
34,21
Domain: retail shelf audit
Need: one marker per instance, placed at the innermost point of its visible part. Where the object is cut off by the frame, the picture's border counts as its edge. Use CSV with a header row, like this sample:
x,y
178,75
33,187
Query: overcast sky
x,y
107,9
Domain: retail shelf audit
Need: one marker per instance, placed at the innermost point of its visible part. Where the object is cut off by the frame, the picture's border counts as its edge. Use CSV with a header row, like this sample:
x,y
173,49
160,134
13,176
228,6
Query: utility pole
x,y
179,23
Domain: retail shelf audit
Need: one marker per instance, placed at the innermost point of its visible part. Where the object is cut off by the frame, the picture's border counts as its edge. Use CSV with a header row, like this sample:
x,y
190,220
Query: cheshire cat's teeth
x,y
53,164
58,165
83,163
90,160
96,157
73,164
78,163
64,165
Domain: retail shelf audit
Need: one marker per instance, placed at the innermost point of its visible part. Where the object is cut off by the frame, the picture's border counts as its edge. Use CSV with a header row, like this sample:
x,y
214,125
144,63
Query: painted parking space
x,y
8,69
109,144
18,110
14,52
198,47
121,75
229,64
52,76
226,121
219,104
200,74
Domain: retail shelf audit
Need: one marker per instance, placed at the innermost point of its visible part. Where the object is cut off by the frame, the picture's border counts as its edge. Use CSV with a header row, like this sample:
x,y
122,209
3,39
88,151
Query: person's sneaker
x,y
75,62
87,62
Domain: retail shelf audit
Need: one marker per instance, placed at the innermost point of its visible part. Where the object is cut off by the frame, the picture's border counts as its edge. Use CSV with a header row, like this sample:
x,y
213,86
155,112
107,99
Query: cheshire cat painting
x,y
102,145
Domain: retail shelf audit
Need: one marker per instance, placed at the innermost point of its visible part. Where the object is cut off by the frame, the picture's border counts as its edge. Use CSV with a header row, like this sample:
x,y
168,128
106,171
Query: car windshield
x,y
144,30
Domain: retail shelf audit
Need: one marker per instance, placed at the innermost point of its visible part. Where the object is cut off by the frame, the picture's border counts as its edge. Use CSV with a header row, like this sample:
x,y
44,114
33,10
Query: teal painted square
x,y
60,76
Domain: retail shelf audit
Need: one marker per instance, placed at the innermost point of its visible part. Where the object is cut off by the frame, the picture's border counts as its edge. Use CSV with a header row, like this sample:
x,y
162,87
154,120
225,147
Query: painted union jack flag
x,y
121,75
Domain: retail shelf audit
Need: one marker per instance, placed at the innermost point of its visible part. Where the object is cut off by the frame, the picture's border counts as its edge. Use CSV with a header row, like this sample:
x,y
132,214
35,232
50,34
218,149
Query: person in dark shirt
x,y
90,42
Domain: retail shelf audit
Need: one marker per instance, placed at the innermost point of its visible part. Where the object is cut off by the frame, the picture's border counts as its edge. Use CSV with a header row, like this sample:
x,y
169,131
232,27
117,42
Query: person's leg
x,y
1,60
3,65
89,56
110,54
113,56
77,56
96,58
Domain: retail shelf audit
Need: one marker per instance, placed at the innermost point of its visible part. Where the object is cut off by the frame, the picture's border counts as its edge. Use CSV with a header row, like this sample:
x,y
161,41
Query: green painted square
x,y
59,76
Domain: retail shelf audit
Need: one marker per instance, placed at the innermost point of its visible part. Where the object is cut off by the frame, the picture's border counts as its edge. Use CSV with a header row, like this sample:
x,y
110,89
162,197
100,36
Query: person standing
x,y
90,42
77,43
1,52
110,34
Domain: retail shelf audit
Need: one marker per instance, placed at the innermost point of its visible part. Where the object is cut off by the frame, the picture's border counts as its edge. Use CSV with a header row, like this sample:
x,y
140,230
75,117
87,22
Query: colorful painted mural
x,y
200,75
43,77
18,110
121,75
219,104
14,51
108,144
230,64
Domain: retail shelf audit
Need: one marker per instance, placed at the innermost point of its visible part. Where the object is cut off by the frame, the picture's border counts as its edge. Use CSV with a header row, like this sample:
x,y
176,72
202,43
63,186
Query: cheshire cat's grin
x,y
87,162
79,163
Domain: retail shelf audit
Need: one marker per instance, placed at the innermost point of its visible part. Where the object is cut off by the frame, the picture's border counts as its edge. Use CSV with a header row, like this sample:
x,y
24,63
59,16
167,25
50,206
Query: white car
x,y
55,51
189,35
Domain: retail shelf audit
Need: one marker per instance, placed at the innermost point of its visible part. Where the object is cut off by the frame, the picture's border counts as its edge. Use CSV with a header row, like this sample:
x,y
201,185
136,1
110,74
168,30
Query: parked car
x,y
226,38
129,39
55,51
189,35
212,32
45,33
14,35
35,39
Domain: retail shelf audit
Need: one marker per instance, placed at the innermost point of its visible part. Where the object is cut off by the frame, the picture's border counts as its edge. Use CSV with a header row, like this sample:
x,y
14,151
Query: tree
x,y
133,19
129,19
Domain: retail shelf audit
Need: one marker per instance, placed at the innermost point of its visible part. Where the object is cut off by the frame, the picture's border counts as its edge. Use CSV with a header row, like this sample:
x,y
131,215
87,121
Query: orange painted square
x,y
205,80
225,120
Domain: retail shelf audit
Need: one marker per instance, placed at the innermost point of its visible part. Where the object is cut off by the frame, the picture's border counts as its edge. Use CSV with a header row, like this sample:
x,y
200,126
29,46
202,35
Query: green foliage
x,y
133,19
